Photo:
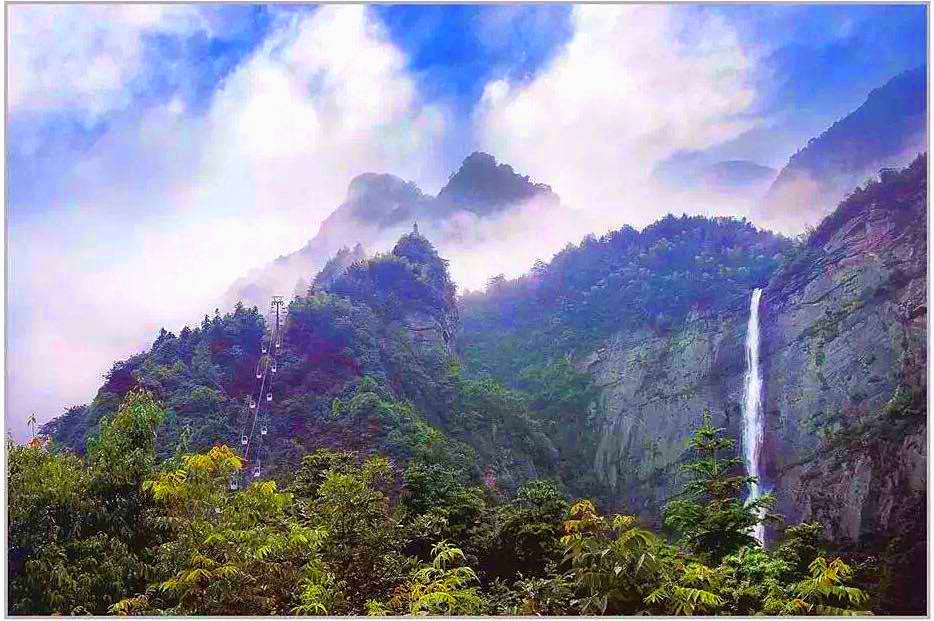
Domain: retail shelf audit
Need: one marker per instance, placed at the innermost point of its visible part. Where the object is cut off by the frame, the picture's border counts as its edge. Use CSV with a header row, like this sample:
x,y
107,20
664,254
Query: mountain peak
x,y
370,184
484,186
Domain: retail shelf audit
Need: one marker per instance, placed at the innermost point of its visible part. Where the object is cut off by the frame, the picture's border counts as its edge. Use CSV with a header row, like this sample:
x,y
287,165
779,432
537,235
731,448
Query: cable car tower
x,y
255,424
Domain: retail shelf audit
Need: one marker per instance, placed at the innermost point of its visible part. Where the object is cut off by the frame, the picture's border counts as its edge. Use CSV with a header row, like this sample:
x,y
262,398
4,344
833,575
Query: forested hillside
x,y
367,363
626,280
433,454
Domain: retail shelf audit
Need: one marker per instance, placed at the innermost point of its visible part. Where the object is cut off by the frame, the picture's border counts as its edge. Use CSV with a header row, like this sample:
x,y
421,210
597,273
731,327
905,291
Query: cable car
x,y
243,439
269,398
262,430
274,367
252,404
256,472
264,349
259,374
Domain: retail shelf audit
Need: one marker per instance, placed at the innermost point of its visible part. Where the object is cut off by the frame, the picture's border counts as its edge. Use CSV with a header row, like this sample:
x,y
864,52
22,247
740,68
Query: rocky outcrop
x,y
845,328
654,390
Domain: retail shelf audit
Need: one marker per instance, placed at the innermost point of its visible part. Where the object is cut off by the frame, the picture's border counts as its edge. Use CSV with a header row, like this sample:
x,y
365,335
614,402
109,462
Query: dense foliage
x,y
345,533
626,279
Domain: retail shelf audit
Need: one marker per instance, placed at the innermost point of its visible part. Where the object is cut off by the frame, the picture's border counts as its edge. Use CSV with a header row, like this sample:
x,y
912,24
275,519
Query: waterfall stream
x,y
753,423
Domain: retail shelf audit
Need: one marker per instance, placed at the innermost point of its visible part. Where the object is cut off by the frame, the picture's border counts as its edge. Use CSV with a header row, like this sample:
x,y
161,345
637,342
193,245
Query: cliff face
x,y
654,389
843,354
845,328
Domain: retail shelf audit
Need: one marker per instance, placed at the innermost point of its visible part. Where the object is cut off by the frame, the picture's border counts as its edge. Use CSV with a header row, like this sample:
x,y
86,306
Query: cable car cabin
x,y
269,398
274,368
264,350
256,472
262,430
259,374
243,440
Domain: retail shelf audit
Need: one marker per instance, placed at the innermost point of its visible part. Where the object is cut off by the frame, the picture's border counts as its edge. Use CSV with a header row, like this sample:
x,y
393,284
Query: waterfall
x,y
753,423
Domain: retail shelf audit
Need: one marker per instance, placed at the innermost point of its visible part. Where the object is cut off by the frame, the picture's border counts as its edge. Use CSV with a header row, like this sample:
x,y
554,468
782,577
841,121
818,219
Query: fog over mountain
x,y
483,206
888,130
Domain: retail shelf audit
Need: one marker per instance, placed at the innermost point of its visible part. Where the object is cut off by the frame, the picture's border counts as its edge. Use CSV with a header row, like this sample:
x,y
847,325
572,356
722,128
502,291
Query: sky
x,y
156,153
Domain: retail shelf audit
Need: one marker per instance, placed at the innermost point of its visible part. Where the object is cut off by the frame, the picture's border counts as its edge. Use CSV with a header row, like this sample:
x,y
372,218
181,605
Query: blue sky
x,y
148,145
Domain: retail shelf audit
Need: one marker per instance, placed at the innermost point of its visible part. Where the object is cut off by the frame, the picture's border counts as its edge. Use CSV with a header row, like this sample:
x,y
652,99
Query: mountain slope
x,y
844,353
366,364
888,129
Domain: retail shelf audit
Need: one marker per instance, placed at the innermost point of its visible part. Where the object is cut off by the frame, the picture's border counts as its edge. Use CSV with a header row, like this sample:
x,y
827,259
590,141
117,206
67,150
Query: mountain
x,y
485,187
380,207
694,171
733,174
367,363
845,358
888,129
593,368
658,320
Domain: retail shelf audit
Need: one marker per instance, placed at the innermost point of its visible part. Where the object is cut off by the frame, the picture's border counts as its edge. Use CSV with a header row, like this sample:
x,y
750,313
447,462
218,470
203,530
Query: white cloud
x,y
635,84
326,98
83,58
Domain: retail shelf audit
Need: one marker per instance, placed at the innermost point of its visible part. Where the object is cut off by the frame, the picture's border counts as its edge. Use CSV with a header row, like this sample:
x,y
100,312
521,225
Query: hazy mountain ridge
x,y
888,129
380,207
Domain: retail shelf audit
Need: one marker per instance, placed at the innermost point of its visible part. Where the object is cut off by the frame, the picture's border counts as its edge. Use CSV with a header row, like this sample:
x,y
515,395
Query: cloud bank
x,y
635,84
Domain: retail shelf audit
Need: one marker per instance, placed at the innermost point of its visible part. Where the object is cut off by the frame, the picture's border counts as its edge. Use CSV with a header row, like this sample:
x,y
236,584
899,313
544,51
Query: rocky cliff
x,y
845,374
845,348
844,329
654,390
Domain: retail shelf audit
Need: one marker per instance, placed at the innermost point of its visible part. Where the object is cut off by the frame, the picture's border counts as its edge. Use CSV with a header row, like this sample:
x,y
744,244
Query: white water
x,y
753,423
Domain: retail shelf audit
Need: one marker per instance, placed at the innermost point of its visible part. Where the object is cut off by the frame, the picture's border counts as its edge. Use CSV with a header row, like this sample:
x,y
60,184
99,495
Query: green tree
x,y
444,586
614,564
365,538
230,553
824,592
526,531
81,533
709,514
